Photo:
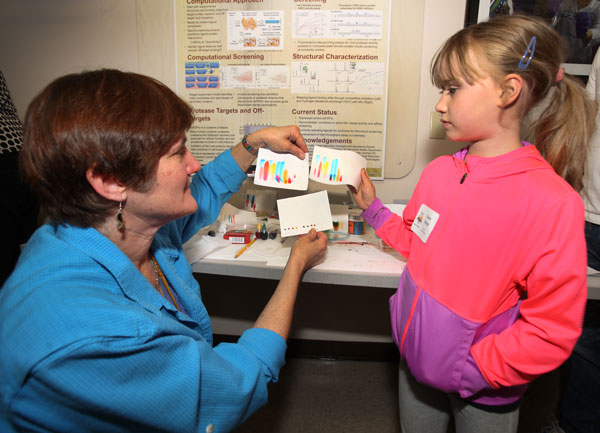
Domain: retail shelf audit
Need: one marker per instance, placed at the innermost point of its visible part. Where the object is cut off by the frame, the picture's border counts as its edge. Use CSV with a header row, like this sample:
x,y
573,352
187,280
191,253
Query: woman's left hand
x,y
309,250
281,139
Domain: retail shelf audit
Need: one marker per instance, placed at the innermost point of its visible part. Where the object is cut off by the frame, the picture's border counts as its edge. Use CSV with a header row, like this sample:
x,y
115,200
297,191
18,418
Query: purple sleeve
x,y
376,214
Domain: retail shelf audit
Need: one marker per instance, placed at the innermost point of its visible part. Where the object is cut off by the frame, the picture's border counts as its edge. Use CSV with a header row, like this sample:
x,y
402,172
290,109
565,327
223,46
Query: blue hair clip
x,y
530,50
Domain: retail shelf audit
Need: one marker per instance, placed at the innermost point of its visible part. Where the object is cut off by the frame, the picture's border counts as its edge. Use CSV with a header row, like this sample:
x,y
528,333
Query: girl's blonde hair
x,y
499,47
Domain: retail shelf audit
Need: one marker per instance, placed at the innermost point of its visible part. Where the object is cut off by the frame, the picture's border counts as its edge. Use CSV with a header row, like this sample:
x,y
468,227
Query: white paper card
x,y
297,215
281,170
336,167
424,222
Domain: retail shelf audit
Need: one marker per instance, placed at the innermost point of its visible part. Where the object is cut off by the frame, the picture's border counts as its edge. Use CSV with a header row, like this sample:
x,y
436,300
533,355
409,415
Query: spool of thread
x,y
356,224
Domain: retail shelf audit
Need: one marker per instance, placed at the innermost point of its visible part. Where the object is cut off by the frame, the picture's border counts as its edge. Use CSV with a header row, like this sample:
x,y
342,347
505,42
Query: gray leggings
x,y
425,409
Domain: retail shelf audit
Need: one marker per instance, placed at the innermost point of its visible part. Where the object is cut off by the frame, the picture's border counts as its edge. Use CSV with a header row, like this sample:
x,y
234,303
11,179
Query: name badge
x,y
424,223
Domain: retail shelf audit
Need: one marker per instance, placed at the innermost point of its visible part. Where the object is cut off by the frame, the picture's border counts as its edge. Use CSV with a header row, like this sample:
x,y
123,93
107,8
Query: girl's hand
x,y
309,250
365,194
283,139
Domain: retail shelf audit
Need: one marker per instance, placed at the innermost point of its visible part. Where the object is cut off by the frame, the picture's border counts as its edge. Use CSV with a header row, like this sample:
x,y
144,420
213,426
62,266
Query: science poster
x,y
319,64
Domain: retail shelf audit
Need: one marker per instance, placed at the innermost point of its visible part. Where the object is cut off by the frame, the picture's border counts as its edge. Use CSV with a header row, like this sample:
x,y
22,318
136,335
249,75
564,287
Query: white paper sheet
x,y
260,201
201,246
349,256
259,251
364,258
281,170
336,167
297,215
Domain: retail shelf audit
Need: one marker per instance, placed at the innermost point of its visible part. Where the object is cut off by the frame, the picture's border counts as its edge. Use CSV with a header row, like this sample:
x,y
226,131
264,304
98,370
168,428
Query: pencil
x,y
352,243
240,252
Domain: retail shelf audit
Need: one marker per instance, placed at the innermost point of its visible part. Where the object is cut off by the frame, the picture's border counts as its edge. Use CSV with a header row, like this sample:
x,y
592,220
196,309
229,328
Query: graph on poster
x,y
338,77
255,77
337,24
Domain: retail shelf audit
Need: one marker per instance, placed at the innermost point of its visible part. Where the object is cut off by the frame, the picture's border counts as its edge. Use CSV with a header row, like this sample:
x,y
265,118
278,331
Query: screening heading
x,y
206,57
214,2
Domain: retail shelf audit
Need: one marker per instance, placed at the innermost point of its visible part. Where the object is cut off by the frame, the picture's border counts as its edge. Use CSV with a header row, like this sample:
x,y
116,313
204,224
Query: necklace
x,y
158,273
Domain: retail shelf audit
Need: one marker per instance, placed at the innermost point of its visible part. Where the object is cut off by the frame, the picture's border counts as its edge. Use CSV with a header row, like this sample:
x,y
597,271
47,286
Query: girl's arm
x,y
392,228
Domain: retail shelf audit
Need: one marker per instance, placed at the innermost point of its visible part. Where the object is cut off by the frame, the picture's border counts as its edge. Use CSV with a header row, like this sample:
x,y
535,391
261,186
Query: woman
x,y
103,324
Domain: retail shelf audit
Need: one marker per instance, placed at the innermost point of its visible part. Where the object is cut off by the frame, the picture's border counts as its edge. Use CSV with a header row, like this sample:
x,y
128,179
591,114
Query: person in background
x,y
18,206
579,406
103,325
494,287
578,22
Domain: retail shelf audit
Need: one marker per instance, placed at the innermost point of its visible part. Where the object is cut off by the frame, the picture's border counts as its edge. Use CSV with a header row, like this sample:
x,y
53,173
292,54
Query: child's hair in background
x,y
502,46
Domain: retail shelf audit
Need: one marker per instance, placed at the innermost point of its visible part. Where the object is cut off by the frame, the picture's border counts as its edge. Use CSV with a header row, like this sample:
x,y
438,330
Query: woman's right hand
x,y
281,139
309,250
365,194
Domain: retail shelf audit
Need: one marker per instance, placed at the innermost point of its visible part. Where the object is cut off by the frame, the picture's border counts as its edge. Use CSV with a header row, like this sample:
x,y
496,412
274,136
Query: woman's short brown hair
x,y
118,123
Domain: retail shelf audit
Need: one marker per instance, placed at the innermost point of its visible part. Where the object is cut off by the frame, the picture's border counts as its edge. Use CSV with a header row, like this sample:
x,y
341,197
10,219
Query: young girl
x,y
495,284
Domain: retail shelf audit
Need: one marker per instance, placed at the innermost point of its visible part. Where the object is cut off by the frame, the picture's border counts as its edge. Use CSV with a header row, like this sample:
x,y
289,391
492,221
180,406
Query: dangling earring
x,y
119,217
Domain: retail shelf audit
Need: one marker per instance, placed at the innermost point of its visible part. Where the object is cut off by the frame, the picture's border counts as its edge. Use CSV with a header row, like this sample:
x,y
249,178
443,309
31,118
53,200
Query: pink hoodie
x,y
495,296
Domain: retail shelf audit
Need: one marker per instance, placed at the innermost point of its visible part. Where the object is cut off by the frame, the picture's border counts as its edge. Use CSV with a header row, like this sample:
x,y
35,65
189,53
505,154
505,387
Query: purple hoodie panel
x,y
436,343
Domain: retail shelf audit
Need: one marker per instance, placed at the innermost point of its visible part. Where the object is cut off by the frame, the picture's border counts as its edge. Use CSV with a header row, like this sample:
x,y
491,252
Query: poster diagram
x,y
202,75
250,30
338,77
